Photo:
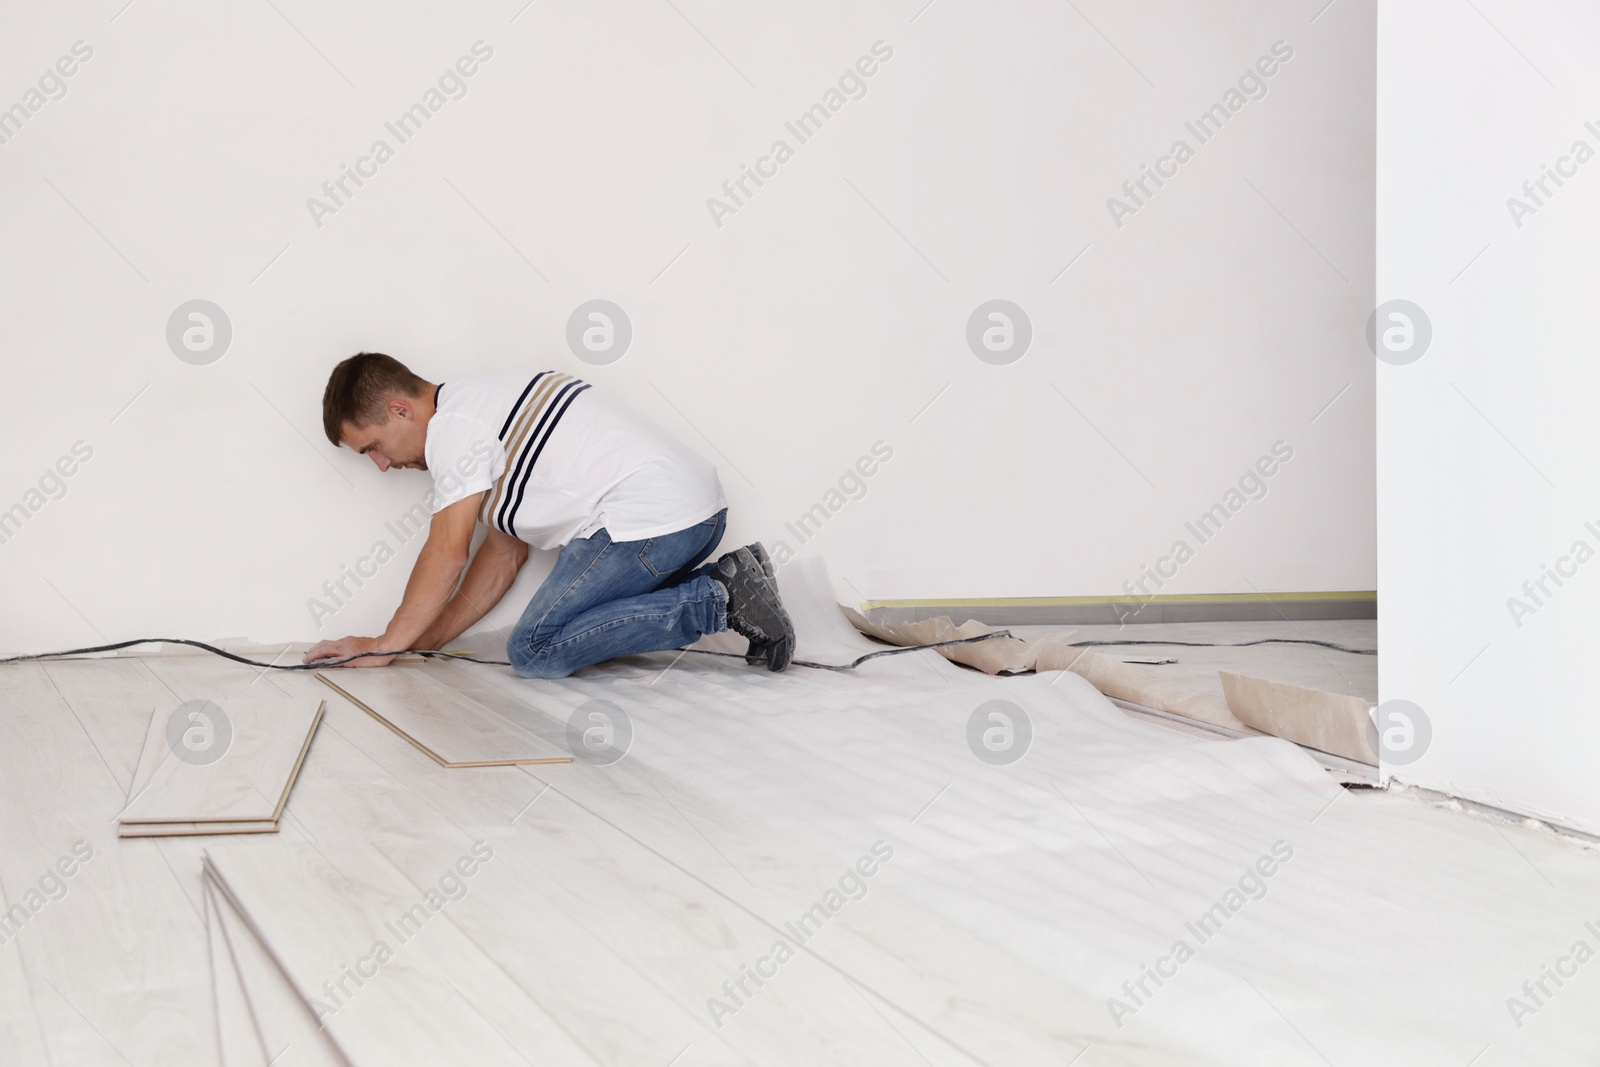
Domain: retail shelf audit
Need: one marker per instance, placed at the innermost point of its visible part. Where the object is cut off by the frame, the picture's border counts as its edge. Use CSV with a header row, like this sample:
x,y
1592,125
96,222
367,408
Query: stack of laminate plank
x,y
326,953
355,964
242,789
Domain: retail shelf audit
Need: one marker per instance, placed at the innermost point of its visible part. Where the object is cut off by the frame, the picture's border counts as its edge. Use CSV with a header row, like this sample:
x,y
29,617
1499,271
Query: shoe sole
x,y
758,653
779,651
779,655
756,549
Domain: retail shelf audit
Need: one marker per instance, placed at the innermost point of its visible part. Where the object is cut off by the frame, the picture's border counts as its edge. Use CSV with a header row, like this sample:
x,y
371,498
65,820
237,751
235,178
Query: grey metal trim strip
x,y
1109,613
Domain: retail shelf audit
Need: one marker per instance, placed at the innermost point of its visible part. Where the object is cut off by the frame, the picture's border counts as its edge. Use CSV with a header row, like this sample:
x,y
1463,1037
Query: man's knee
x,y
541,669
531,659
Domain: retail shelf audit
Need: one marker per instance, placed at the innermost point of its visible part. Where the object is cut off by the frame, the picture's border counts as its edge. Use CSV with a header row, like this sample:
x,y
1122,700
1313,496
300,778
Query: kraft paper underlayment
x,y
1330,722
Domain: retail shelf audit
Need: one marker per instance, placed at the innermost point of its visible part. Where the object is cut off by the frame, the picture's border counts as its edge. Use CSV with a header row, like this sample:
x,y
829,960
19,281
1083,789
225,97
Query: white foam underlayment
x,y
1394,933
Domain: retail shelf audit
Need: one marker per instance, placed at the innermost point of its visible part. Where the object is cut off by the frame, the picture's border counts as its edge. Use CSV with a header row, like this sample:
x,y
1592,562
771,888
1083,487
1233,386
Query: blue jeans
x,y
608,598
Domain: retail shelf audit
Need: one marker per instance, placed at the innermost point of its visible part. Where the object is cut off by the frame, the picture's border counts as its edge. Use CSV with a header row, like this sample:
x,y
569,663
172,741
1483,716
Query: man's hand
x,y
431,586
346,647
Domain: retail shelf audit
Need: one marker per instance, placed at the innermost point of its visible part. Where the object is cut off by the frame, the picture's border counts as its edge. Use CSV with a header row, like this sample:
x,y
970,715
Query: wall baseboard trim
x,y
1116,610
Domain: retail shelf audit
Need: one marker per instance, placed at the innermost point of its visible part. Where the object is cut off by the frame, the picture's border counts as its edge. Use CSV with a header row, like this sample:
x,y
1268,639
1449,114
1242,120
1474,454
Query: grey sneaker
x,y
759,551
754,609
758,650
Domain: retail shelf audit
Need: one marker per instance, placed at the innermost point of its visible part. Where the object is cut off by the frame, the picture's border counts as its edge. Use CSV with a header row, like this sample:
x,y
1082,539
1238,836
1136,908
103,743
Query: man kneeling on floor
x,y
543,460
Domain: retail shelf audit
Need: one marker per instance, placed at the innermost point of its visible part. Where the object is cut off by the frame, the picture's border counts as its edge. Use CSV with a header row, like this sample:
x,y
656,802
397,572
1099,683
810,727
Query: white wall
x,y
1485,444
825,315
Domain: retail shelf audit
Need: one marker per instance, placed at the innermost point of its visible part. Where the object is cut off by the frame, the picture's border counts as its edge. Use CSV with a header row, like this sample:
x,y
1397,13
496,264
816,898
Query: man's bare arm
x,y
433,580
493,570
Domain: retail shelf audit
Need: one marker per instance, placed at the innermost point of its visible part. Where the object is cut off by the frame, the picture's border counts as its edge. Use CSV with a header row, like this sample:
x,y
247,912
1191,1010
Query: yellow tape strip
x,y
1159,598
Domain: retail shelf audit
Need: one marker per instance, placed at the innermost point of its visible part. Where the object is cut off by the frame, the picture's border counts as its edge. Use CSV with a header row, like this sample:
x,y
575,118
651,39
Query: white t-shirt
x,y
556,462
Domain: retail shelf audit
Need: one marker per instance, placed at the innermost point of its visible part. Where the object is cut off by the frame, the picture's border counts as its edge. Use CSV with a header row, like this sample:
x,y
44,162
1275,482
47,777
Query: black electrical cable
x,y
225,654
852,665
858,661
1236,644
449,655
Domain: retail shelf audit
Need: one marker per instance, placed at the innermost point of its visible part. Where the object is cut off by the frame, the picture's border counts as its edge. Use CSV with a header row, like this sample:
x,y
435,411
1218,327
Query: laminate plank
x,y
114,700
645,946
203,677
454,729
283,1031
160,701
623,1016
114,954
152,750
617,1010
502,692
23,677
348,797
239,1041
249,782
359,786
198,829
20,1038
390,977
173,681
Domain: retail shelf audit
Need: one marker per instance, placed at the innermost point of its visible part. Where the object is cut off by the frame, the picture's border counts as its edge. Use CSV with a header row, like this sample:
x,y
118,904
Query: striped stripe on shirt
x,y
532,420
